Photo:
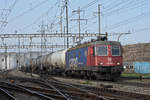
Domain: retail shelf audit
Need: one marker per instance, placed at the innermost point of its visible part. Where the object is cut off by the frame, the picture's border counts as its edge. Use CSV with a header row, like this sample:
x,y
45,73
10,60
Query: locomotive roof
x,y
96,43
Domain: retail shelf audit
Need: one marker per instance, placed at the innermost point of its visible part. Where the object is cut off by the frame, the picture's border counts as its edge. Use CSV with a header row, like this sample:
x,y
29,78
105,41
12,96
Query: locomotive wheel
x,y
72,74
81,76
86,75
78,74
69,74
116,77
75,74
93,77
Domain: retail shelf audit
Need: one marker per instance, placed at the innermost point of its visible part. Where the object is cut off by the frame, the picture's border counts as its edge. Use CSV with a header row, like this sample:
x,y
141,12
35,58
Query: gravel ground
x,y
15,73
144,81
122,87
20,74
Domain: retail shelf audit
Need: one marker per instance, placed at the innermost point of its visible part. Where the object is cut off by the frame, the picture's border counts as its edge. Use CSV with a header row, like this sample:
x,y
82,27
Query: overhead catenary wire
x,y
127,21
4,24
125,8
89,4
111,9
83,8
53,22
28,10
40,17
72,14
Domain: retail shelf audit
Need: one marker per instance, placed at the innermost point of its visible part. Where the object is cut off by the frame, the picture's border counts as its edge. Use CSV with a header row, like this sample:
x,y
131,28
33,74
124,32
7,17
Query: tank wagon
x,y
53,63
97,59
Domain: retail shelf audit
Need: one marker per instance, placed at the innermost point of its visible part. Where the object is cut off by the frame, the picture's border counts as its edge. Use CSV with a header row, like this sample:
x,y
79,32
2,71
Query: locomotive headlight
x,y
101,63
118,63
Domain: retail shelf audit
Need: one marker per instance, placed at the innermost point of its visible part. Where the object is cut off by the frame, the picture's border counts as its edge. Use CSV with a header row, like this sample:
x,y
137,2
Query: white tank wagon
x,y
53,63
43,60
57,59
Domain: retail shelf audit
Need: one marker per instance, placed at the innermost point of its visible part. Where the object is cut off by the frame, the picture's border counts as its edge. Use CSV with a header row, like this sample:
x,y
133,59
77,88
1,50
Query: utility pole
x,y
99,18
19,60
18,54
5,55
67,22
30,57
6,67
60,24
64,37
43,39
79,19
18,57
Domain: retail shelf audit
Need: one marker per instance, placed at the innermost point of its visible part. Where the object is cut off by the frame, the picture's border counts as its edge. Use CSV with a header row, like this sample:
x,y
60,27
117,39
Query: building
x,y
136,56
12,60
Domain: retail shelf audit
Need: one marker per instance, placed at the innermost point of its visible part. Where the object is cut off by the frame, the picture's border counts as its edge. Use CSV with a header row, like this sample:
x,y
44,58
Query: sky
x,y
117,16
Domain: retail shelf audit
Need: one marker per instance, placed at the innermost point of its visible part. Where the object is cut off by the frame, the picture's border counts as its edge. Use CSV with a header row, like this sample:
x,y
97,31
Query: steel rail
x,y
53,87
34,92
49,93
75,94
44,83
112,93
15,86
115,93
9,96
77,88
57,83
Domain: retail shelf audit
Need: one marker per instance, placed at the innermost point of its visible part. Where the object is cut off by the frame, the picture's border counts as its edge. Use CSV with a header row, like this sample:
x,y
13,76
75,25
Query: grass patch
x,y
136,75
84,82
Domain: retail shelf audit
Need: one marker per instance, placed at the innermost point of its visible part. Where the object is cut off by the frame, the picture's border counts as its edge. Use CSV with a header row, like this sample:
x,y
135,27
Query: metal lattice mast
x,y
67,23
79,20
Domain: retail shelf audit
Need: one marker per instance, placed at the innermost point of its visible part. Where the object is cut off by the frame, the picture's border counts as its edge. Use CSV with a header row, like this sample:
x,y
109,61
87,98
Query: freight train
x,y
95,60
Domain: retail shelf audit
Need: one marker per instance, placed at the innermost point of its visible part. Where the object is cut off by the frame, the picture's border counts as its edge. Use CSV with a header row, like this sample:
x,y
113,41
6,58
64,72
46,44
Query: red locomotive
x,y
98,59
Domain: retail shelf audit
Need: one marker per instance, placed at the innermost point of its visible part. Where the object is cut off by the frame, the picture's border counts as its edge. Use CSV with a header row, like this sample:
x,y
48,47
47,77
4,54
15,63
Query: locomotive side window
x,y
115,50
101,51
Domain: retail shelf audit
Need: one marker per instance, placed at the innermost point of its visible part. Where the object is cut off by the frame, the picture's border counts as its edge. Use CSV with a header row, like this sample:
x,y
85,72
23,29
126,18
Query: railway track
x,y
117,94
137,84
52,90
5,95
20,89
121,82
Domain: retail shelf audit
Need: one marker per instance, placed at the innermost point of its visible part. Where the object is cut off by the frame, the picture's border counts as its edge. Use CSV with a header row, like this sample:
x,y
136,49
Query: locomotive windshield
x,y
101,51
115,50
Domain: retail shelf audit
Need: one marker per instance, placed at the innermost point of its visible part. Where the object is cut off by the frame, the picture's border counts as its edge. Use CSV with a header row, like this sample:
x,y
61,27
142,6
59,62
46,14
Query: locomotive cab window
x,y
115,50
101,51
